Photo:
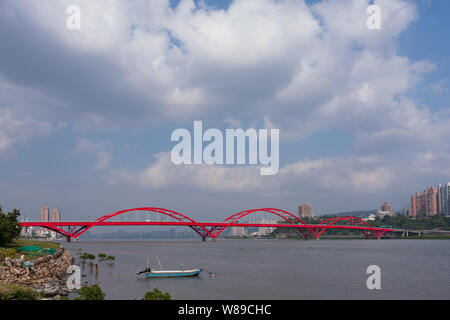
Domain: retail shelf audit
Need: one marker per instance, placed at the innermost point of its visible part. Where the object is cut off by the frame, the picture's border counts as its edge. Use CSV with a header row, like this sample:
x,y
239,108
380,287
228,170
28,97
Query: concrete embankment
x,y
46,274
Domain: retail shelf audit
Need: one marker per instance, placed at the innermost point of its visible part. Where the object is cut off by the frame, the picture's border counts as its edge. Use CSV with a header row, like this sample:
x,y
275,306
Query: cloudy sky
x,y
86,115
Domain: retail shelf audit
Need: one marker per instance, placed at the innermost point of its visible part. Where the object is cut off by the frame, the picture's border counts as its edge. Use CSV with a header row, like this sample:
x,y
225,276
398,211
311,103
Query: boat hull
x,y
175,273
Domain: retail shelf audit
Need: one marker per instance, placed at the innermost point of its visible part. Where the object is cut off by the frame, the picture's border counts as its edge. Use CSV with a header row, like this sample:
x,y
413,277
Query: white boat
x,y
149,273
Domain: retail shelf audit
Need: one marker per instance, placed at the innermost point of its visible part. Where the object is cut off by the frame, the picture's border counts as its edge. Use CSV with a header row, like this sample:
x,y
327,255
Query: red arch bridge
x,y
270,218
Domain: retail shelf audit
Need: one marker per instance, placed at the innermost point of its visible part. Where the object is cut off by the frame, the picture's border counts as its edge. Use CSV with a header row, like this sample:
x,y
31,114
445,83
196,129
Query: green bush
x,y
87,256
13,292
156,294
93,292
112,258
101,256
7,253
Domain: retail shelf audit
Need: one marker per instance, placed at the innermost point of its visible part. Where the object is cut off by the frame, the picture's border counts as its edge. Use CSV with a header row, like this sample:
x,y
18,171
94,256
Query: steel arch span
x,y
199,229
76,229
288,218
212,230
357,222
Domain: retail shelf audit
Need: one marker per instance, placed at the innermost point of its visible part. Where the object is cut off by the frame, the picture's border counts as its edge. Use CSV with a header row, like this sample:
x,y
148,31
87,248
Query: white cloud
x,y
233,123
104,23
353,174
439,87
344,181
163,174
345,21
407,129
101,150
15,129
350,173
282,60
103,159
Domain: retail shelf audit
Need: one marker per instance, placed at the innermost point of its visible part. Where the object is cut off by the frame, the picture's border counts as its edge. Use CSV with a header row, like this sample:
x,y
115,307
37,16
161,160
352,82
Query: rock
x,y
17,271
8,262
51,291
43,274
64,292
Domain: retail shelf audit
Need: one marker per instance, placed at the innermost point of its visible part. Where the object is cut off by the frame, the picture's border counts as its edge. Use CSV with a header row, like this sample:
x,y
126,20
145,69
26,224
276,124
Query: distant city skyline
x,y
433,201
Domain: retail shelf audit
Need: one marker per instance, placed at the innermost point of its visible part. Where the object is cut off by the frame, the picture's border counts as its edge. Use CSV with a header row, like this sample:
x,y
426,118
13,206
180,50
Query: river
x,y
273,269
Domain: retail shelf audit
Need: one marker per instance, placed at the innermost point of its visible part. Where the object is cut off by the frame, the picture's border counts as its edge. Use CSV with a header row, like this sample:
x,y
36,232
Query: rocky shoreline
x,y
46,275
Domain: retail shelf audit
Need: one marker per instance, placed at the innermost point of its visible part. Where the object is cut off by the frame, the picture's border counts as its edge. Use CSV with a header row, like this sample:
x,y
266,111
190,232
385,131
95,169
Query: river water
x,y
273,269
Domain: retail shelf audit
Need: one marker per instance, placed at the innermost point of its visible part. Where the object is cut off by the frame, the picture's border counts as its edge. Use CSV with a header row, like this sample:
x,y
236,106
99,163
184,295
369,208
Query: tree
x,y
156,294
9,226
93,292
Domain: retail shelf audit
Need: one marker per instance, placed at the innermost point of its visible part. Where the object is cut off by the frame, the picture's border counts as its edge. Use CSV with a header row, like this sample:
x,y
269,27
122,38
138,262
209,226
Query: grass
x,y
17,243
10,291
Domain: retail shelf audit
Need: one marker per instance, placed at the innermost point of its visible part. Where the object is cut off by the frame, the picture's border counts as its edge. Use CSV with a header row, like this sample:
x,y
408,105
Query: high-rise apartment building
x,y
444,198
56,215
45,214
426,204
305,211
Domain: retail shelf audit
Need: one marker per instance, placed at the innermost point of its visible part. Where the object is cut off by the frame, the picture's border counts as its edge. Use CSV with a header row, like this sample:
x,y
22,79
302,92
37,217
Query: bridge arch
x,y
353,220
73,232
170,213
285,215
198,228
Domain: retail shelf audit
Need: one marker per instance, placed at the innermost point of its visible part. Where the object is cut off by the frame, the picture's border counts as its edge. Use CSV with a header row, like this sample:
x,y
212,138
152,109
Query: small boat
x,y
149,273
171,273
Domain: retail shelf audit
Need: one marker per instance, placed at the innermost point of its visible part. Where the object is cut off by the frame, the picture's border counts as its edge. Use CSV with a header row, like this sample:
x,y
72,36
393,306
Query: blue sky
x,y
86,116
